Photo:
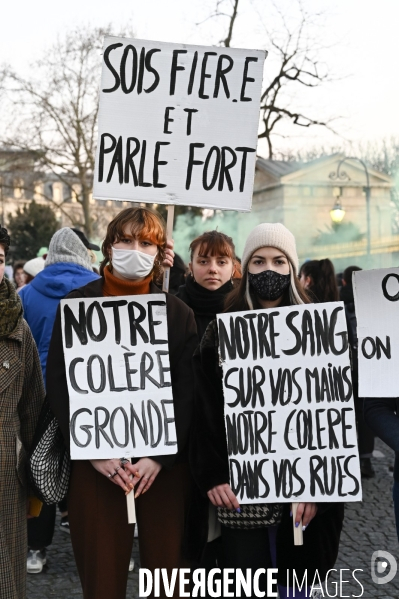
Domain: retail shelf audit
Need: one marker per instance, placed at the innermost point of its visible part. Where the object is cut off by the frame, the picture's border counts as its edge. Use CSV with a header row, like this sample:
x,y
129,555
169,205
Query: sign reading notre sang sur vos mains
x,y
118,374
289,411
178,124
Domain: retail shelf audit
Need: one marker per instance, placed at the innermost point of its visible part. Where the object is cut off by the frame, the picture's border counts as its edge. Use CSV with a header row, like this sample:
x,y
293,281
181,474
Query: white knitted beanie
x,y
34,266
272,235
65,246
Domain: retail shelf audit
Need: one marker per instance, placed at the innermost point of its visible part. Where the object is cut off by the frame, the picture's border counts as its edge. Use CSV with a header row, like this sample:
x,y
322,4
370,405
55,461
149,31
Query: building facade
x,y
301,196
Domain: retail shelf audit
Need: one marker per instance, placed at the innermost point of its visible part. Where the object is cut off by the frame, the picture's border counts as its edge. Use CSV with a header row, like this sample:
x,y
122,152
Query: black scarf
x,y
10,309
205,302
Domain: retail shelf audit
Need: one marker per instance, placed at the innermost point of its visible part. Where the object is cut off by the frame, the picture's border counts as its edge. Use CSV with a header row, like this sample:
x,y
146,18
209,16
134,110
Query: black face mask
x,y
268,284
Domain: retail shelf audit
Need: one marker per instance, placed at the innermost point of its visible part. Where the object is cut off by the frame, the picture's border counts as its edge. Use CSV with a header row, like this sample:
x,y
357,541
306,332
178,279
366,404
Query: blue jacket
x,y
41,297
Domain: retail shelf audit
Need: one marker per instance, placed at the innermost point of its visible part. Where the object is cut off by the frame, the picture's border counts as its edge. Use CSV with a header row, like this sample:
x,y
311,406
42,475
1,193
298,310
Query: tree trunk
x,y
88,223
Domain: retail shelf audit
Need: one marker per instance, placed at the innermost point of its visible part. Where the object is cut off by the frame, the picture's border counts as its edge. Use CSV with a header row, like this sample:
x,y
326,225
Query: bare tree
x,y
295,53
53,113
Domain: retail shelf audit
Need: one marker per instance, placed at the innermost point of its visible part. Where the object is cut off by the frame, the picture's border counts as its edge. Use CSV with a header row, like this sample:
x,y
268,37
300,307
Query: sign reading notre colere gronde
x,y
118,374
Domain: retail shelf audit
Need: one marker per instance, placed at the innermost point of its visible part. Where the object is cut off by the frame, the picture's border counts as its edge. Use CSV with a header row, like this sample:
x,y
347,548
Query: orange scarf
x,y
113,286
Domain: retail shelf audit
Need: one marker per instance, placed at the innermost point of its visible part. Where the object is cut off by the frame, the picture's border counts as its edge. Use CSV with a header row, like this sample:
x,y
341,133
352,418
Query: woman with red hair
x,y
134,250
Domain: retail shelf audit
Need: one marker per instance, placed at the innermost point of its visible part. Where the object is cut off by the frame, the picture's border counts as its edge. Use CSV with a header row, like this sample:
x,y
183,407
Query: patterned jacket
x,y
21,397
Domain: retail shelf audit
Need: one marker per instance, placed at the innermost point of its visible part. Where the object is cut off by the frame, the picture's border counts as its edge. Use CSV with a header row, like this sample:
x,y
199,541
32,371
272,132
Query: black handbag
x,y
49,463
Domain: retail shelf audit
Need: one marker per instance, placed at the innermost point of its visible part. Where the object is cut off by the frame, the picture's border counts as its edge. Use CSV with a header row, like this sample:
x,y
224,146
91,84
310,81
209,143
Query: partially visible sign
x,y
289,411
118,374
178,124
377,311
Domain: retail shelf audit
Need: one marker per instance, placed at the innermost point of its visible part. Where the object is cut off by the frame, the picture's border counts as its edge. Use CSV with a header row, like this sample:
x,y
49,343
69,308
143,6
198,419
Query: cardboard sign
x,y
118,374
376,301
178,124
289,411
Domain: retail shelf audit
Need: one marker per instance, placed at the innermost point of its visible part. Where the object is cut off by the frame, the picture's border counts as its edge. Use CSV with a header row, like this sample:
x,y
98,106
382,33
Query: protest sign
x,y
178,124
376,300
289,411
118,374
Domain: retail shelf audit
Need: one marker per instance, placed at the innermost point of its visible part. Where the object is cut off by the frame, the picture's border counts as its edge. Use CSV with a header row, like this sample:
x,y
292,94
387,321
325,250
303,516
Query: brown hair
x,y
324,283
17,266
213,243
144,224
237,300
4,240
348,272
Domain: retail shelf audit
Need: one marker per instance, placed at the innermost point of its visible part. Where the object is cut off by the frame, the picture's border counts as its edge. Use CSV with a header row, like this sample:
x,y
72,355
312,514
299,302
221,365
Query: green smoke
x,y
235,224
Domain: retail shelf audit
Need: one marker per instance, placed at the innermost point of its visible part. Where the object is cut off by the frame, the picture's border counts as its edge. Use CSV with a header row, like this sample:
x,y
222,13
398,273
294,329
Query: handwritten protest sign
x,y
118,375
376,300
178,124
289,411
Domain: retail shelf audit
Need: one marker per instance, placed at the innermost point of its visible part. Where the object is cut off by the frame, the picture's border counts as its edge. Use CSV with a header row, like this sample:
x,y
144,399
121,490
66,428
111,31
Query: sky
x,y
360,45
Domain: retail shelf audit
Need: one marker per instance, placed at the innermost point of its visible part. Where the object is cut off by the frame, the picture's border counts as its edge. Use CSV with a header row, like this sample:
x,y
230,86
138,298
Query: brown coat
x,y
21,397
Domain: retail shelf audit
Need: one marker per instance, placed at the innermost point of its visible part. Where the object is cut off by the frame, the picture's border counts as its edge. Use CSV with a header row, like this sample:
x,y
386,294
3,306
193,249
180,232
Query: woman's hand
x,y
122,476
307,512
145,471
223,496
169,253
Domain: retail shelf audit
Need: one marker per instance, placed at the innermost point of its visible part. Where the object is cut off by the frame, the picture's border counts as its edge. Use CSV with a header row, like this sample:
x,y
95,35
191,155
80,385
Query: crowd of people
x,y
187,513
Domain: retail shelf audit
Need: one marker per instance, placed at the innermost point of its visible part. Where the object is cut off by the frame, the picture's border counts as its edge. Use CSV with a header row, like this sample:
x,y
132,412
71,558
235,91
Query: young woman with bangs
x,y
212,270
260,535
134,249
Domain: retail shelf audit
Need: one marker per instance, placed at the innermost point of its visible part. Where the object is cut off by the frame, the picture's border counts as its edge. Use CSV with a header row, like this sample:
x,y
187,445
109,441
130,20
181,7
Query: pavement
x,y
369,526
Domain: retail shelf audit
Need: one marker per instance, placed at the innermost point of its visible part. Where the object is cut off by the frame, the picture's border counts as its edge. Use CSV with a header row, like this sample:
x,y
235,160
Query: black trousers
x,y
247,549
41,529
365,435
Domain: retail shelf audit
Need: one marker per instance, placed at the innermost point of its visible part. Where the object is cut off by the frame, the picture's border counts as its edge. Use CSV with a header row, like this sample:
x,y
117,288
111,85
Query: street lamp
x,y
343,176
337,213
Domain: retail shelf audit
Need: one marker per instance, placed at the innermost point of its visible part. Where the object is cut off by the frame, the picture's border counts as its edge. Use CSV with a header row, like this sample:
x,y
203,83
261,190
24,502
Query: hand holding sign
x,y
169,254
223,496
117,474
145,471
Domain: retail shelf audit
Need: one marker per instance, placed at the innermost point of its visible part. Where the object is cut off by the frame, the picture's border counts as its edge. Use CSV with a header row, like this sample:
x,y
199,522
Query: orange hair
x,y
144,223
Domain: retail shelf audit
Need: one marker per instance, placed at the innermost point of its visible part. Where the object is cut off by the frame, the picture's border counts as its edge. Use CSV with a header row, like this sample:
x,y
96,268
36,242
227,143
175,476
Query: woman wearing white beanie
x,y
258,536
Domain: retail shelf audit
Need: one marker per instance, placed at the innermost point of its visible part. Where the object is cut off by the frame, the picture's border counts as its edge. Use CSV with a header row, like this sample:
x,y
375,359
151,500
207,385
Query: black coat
x,y
202,320
182,343
204,303
209,462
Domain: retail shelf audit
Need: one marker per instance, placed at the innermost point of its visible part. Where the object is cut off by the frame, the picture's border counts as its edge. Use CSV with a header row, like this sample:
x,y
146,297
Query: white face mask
x,y
132,264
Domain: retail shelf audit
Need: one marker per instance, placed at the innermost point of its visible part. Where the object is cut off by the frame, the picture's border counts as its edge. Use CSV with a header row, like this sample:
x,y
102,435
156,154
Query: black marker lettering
x,y
84,427
115,305
126,422
127,89
190,112
174,69
221,75
204,75
246,79
72,377
103,151
167,120
107,52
